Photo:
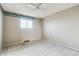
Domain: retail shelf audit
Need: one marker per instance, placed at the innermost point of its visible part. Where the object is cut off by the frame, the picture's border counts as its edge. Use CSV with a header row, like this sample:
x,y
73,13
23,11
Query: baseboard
x,y
14,43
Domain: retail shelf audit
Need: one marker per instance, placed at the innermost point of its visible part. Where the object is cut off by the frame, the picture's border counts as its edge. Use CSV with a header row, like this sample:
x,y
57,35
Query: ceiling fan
x,y
35,5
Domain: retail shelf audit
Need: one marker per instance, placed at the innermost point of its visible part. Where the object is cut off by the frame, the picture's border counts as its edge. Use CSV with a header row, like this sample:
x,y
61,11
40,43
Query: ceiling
x,y
45,10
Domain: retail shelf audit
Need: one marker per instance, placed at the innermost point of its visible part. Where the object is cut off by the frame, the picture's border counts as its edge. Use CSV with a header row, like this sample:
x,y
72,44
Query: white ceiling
x,y
45,10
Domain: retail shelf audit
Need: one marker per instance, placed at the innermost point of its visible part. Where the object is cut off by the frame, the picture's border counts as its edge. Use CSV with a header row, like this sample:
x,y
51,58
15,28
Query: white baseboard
x,y
14,43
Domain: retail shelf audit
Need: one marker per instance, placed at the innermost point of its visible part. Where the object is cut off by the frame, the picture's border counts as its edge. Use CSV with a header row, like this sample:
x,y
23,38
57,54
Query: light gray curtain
x,y
33,33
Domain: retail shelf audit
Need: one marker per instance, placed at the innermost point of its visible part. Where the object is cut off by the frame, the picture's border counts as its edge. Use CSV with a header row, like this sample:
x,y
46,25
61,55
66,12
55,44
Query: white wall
x,y
14,34
0,29
63,28
11,30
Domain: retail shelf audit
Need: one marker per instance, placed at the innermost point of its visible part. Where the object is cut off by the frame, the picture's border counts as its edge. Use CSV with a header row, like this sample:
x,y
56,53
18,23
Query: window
x,y
29,23
25,23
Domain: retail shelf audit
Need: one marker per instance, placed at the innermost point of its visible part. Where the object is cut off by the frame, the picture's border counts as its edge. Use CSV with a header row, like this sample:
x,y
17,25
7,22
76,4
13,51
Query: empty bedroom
x,y
39,29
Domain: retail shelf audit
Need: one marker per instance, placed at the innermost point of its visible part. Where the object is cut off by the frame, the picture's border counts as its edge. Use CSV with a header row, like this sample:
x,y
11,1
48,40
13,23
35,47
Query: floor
x,y
38,48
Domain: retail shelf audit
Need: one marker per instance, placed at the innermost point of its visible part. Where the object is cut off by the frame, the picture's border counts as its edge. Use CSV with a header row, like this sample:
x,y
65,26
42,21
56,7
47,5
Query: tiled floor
x,y
38,48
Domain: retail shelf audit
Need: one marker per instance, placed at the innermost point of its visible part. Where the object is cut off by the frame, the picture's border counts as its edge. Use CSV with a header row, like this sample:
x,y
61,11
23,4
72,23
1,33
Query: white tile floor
x,y
38,48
